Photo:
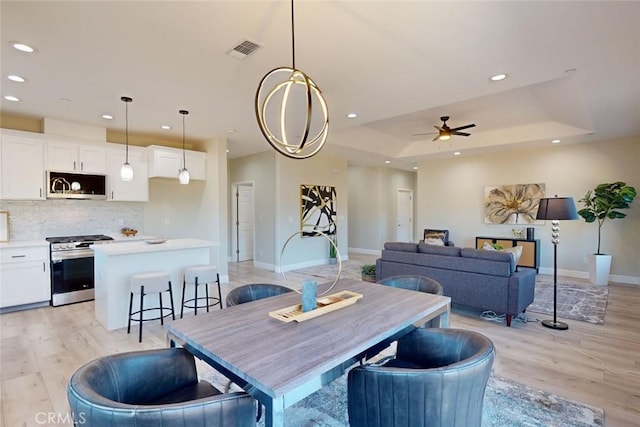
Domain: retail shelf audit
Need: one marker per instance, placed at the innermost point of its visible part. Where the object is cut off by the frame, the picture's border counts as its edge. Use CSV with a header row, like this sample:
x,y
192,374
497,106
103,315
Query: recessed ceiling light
x,y
231,131
387,161
22,47
352,115
107,116
498,77
165,127
415,168
12,98
456,153
15,78
228,150
555,141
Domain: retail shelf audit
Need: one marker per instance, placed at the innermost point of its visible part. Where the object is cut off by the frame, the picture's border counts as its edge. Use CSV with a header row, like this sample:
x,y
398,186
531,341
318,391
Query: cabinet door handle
x,y
81,166
41,192
44,267
18,256
74,165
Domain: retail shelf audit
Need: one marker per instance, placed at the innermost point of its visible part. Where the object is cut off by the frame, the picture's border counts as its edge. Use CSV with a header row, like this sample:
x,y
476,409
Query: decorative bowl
x,y
155,241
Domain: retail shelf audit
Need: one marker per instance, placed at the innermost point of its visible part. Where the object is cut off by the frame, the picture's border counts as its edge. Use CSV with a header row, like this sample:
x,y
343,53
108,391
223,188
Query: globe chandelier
x,y
295,97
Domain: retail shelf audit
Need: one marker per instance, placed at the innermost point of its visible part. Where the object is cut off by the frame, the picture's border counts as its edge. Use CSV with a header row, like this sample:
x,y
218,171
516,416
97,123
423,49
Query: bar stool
x,y
152,282
197,275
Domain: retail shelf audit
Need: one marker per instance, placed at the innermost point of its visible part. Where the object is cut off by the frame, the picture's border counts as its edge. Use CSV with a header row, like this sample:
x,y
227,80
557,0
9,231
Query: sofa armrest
x,y
522,286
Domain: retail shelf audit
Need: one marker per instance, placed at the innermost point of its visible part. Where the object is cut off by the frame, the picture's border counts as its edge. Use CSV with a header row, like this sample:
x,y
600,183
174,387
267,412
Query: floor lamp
x,y
556,209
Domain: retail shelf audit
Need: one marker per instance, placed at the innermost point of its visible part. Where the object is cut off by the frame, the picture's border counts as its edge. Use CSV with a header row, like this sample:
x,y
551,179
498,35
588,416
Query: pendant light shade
x,y
126,171
183,176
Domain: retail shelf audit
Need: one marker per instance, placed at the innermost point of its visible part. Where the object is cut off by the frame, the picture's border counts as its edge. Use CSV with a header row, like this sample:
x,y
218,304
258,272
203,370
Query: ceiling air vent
x,y
243,49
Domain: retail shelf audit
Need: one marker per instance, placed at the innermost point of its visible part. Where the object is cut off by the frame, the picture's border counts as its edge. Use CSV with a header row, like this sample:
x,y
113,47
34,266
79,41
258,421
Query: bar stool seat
x,y
196,275
146,283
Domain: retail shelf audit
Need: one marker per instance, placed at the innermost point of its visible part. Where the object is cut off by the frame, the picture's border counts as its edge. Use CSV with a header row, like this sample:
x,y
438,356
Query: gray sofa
x,y
487,280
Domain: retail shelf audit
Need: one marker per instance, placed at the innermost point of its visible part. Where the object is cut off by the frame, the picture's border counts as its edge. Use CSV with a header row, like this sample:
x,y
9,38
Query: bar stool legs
x,y
198,275
145,284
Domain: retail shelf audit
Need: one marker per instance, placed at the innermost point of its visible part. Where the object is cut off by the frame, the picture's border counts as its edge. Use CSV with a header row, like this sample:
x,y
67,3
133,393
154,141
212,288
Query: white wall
x,y
450,195
373,194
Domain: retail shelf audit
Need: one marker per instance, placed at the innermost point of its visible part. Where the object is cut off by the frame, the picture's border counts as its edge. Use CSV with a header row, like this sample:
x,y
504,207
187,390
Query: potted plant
x,y
369,273
332,251
601,203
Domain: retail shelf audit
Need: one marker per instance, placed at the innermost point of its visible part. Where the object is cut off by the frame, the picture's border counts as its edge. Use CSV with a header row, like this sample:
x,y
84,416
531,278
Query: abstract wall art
x,y
512,204
317,209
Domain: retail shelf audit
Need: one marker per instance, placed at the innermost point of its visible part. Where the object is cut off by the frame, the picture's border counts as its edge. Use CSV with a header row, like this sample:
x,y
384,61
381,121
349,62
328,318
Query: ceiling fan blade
x,y
436,138
438,127
463,127
460,133
422,134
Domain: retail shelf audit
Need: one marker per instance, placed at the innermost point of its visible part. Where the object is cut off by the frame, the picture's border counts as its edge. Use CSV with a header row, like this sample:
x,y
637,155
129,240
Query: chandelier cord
x,y
126,130
293,39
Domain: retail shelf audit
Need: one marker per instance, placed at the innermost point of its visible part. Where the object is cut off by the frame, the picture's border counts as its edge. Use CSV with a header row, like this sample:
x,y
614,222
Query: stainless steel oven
x,y
72,268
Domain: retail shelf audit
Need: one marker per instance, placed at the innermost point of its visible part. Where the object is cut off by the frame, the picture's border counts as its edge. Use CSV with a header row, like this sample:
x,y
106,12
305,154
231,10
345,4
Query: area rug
x,y
351,269
506,404
577,301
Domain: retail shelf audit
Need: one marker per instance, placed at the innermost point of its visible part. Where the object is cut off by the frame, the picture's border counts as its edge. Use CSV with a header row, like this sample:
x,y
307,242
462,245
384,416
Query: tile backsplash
x,y
35,220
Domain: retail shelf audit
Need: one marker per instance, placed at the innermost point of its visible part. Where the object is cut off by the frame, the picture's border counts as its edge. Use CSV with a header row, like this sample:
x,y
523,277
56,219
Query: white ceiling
x,y
573,67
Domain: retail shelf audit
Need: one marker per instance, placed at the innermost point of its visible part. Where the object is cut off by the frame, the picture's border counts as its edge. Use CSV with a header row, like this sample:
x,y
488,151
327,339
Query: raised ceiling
x,y
573,69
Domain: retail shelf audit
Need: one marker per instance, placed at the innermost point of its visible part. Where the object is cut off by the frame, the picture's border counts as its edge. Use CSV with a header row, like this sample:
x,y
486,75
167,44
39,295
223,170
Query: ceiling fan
x,y
445,132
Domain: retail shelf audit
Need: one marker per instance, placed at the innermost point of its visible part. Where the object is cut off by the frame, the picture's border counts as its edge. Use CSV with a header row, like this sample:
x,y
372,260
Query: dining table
x,y
281,362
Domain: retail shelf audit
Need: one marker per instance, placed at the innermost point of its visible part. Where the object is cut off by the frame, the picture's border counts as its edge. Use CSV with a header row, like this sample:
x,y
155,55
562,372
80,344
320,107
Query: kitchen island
x,y
114,264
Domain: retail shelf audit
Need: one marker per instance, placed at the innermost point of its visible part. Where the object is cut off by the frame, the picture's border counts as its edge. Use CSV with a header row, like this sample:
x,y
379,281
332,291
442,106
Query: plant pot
x,y
599,267
369,278
333,261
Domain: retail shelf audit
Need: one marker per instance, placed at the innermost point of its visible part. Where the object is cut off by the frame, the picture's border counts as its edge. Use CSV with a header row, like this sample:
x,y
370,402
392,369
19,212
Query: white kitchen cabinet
x,y
166,162
24,275
76,157
22,161
136,190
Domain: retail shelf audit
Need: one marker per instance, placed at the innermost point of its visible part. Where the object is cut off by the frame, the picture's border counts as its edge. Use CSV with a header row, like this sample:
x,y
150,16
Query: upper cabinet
x,y
22,161
76,157
165,162
136,190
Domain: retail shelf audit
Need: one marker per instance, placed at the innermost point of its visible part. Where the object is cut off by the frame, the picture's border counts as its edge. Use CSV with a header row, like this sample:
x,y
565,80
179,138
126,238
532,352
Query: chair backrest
x,y
252,292
132,389
441,382
413,283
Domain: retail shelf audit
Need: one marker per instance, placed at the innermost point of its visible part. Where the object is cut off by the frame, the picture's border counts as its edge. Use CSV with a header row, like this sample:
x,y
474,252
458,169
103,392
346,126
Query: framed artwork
x,y
317,209
512,204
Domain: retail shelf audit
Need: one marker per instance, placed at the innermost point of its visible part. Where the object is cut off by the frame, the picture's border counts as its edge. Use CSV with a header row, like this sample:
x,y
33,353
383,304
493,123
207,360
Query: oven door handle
x,y
70,256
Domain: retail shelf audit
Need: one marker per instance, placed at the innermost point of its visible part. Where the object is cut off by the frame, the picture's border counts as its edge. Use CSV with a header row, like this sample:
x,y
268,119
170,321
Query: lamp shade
x,y
556,208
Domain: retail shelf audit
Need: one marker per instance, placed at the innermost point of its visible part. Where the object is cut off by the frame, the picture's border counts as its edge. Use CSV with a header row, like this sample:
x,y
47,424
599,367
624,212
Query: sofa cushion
x,y
500,256
401,246
438,250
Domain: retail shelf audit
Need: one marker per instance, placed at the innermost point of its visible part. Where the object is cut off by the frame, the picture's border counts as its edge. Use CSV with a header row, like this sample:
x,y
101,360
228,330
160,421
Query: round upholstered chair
x,y
152,388
413,283
252,292
437,378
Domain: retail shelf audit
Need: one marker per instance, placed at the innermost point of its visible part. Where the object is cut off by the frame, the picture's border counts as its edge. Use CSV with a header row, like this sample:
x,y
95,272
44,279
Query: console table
x,y
530,249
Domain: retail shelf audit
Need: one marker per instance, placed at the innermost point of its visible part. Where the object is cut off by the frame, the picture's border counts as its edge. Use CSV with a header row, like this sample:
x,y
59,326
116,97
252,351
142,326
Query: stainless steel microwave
x,y
68,185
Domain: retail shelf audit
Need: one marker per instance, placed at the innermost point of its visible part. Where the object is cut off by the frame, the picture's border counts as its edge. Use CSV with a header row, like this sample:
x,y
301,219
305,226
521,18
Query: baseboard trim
x,y
365,251
613,278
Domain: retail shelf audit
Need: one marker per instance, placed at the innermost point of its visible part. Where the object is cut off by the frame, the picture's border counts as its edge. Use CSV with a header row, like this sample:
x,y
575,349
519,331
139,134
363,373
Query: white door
x,y
243,207
404,216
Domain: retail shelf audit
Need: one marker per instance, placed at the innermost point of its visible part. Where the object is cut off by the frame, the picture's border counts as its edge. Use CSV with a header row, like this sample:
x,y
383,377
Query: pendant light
x,y
126,171
307,90
183,176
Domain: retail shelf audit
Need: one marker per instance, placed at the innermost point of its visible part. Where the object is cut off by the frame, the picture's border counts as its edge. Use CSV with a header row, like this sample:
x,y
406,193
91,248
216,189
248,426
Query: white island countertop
x,y
140,246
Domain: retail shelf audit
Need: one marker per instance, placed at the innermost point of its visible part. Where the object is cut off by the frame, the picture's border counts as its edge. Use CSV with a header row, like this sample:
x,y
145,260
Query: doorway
x,y
404,216
242,206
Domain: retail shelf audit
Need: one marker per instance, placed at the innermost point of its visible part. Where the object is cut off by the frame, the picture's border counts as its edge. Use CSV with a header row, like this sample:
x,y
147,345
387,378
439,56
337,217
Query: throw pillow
x,y
435,234
491,247
516,253
434,241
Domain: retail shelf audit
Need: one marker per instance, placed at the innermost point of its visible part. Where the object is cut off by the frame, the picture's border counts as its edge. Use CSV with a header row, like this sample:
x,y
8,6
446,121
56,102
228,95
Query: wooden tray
x,y
326,304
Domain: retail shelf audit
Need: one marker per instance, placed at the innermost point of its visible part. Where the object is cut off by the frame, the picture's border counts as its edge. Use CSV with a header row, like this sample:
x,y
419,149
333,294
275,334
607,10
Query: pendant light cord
x,y
293,39
184,157
126,131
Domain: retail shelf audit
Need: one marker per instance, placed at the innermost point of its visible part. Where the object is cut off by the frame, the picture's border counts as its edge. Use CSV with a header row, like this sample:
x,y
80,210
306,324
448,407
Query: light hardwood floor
x,y
594,364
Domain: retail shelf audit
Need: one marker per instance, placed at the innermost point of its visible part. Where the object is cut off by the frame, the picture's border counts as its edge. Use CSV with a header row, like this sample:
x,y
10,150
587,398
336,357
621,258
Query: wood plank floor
x,y
594,364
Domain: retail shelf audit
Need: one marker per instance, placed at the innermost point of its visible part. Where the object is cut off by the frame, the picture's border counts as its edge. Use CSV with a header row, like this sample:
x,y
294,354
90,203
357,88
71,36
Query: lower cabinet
x,y
530,249
24,276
